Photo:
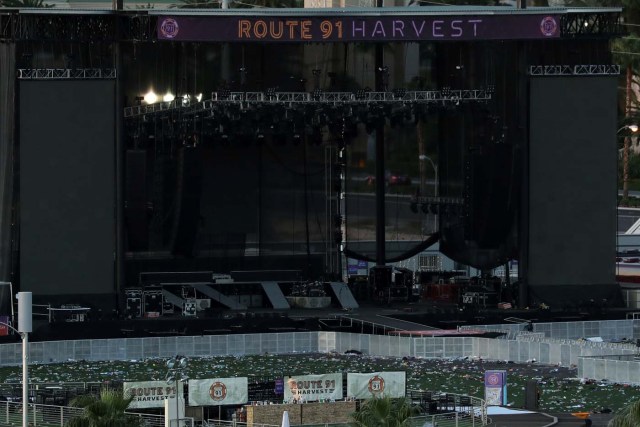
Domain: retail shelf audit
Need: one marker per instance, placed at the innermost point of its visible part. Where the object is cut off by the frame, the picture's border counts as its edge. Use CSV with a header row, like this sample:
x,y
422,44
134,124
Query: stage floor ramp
x,y
275,295
344,295
220,297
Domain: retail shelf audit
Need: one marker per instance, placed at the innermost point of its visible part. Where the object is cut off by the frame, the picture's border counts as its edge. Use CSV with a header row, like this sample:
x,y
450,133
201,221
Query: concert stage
x,y
211,141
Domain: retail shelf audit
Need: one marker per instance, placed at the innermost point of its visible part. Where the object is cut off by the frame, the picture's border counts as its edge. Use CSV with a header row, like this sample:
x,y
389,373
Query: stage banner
x,y
218,391
377,384
344,28
150,394
309,388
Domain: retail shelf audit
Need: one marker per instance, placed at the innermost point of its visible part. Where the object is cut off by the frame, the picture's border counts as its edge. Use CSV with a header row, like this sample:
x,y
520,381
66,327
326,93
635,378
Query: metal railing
x,y
57,416
466,411
452,419
467,408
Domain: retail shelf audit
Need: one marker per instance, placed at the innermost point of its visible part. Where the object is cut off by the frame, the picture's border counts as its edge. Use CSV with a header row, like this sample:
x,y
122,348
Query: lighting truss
x,y
256,99
590,24
438,200
184,107
575,70
65,73
350,97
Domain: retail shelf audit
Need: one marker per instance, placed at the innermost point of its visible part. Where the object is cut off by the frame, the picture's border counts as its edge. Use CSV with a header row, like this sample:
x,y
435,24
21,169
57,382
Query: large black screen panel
x,y
67,187
572,184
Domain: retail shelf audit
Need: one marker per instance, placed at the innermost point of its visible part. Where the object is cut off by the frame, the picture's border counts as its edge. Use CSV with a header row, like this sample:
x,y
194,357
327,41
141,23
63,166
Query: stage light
x,y
150,97
199,97
168,97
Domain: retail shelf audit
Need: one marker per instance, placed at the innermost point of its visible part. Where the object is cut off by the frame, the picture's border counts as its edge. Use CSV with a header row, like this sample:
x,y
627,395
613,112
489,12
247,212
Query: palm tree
x,y
384,412
25,3
108,410
197,4
628,417
236,4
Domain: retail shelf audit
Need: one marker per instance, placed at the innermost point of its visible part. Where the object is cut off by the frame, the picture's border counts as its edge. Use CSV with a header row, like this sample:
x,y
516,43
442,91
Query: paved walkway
x,y
546,420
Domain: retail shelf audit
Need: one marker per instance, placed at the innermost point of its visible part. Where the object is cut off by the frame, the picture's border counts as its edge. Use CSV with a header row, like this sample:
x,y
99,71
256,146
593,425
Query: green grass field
x,y
562,392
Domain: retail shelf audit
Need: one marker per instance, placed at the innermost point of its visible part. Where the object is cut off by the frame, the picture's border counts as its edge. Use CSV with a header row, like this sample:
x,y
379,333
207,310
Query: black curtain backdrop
x,y
67,191
7,107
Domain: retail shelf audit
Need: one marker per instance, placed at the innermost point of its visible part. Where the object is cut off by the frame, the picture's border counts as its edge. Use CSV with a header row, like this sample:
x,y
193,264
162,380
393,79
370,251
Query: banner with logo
x,y
218,391
495,387
151,394
309,388
345,28
377,384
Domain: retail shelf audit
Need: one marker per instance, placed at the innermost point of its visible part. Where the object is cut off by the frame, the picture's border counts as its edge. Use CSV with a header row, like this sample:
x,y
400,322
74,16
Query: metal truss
x,y
590,24
138,27
398,96
438,200
48,26
66,73
76,27
574,70
257,99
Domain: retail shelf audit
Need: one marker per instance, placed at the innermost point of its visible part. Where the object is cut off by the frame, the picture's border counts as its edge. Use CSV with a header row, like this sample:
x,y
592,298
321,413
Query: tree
x,y
384,412
628,417
237,4
197,4
626,51
25,3
108,410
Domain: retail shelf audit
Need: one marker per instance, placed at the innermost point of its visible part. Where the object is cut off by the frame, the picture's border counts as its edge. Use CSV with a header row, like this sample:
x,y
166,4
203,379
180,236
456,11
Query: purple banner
x,y
495,388
357,28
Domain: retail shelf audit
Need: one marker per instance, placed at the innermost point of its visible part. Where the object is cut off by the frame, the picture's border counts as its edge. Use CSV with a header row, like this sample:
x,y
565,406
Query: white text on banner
x,y
309,388
150,394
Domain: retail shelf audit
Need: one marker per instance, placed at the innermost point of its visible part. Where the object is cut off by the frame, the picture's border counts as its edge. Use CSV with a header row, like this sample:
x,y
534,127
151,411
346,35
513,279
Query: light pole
x,y
423,157
435,170
625,160
177,366
25,325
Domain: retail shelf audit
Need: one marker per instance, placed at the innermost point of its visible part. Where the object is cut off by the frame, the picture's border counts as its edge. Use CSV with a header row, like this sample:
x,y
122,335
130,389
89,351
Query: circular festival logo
x,y
169,28
218,391
376,384
493,379
549,26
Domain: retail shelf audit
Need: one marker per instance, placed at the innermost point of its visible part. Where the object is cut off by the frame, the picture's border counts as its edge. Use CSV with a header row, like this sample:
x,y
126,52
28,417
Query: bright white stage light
x,y
150,97
199,97
168,97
